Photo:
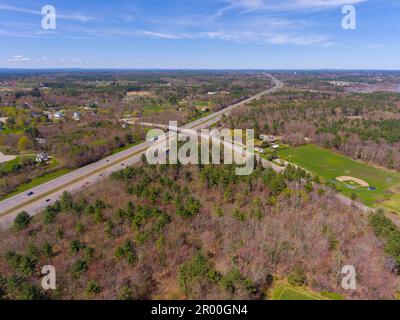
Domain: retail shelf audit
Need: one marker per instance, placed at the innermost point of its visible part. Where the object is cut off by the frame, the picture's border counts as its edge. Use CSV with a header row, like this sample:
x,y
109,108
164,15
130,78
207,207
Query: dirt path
x,y
362,183
4,158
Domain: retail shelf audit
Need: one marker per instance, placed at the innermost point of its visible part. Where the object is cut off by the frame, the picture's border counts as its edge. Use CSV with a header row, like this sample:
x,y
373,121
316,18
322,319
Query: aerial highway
x,y
38,198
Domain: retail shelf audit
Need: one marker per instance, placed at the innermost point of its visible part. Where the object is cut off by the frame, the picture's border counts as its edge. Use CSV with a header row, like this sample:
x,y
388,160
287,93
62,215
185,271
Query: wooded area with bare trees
x,y
195,232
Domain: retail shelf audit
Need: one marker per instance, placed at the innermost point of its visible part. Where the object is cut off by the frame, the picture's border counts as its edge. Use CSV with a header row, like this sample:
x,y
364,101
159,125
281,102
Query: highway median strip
x,y
71,183
74,181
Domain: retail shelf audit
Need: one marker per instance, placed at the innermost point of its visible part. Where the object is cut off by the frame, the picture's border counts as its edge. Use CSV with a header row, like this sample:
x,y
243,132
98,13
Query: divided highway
x,y
37,199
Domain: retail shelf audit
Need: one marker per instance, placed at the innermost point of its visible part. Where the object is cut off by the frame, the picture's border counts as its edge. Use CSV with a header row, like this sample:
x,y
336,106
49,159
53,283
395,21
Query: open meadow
x,y
384,185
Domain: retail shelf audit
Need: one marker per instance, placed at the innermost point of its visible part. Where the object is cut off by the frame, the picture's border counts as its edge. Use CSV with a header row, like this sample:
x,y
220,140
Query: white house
x,y
42,157
40,140
259,150
58,115
48,114
76,116
268,138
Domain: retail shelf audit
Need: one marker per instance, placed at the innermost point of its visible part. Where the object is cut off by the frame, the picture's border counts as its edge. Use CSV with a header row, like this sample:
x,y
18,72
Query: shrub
x,y
79,228
22,221
89,254
228,282
189,209
28,292
125,293
218,211
24,265
47,250
76,246
49,217
196,270
66,201
238,215
126,251
297,277
389,232
79,267
109,228
93,287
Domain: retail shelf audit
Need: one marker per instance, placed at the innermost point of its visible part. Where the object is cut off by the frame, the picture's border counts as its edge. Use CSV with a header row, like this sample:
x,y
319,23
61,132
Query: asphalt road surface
x,y
37,199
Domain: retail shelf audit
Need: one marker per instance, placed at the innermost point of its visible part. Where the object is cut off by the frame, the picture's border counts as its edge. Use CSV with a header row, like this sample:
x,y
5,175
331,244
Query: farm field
x,y
384,185
151,109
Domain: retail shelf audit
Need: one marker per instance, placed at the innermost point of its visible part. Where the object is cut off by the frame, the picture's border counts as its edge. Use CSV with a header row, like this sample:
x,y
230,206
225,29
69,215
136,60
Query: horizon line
x,y
195,69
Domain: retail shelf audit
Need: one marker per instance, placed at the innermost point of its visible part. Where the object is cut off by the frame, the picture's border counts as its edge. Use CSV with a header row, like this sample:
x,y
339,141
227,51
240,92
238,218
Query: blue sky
x,y
201,34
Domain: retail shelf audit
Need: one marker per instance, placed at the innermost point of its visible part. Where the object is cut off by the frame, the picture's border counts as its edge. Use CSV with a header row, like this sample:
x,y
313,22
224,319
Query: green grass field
x,y
151,109
36,182
202,103
329,165
284,292
119,149
9,166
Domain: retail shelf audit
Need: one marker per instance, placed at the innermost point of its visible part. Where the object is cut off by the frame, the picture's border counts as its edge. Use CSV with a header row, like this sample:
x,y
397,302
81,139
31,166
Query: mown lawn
x,y
286,292
123,148
329,165
37,181
151,109
9,166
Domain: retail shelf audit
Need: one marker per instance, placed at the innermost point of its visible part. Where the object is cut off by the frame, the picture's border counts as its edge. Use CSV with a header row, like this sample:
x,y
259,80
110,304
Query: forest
x,y
76,117
361,126
199,232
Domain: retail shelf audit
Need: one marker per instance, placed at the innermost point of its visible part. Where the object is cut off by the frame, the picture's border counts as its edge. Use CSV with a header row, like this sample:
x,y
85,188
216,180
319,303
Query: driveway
x,y
4,158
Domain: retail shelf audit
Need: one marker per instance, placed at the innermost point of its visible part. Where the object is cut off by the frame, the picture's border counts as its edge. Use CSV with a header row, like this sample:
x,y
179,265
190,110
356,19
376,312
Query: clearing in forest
x,y
383,185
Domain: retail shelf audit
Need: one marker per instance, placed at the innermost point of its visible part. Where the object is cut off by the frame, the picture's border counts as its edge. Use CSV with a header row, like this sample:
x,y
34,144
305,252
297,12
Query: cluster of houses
x,y
270,139
341,83
213,93
8,83
56,115
59,115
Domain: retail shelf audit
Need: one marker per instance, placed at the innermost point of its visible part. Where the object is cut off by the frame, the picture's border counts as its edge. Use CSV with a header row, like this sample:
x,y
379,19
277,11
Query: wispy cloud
x,y
161,35
282,5
271,38
260,29
71,16
18,58
252,25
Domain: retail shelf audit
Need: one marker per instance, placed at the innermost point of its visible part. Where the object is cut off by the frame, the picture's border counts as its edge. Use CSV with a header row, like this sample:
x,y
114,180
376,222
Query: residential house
x,y
76,116
268,138
42,157
40,140
58,115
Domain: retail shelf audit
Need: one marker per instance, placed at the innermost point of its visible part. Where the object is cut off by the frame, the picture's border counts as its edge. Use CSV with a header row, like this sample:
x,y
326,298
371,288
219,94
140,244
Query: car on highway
x,y
30,194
